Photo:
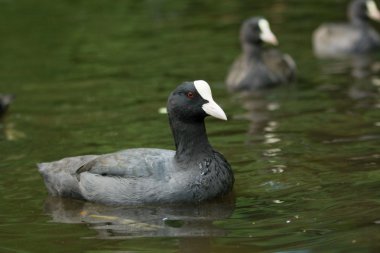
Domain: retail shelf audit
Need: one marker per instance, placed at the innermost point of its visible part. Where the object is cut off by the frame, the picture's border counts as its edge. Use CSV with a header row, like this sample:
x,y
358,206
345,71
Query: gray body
x,y
136,176
263,68
339,40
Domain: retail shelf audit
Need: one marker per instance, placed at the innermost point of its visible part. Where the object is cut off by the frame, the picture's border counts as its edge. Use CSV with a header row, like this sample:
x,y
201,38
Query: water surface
x,y
90,76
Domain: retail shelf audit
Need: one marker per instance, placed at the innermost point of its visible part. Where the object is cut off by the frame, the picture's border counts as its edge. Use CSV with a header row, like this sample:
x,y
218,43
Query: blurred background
x,y
89,78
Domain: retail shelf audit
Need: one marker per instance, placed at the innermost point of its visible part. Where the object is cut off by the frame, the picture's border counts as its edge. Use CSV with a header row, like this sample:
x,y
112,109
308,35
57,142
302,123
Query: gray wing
x,y
282,66
131,163
335,39
130,176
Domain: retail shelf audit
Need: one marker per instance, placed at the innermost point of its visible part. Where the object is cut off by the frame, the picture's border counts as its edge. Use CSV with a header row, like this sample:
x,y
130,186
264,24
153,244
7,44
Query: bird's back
x,y
87,176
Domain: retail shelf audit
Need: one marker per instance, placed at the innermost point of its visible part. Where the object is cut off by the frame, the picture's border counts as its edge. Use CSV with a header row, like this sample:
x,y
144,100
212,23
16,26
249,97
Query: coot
x,y
335,40
5,100
258,67
194,172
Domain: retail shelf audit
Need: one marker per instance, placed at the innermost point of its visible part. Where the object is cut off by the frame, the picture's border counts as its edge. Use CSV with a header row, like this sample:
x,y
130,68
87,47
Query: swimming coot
x,y
345,39
5,100
258,67
194,172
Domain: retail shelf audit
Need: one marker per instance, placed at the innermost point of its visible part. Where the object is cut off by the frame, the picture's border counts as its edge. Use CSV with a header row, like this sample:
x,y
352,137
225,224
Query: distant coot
x,y
355,37
5,101
193,173
258,67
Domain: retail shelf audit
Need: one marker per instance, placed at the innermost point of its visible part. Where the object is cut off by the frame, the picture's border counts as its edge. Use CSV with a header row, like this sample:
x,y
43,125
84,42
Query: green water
x,y
90,76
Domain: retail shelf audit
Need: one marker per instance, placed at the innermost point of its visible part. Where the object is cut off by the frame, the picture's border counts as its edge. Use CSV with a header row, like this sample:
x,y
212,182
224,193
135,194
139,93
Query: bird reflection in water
x,y
117,222
358,66
258,109
364,88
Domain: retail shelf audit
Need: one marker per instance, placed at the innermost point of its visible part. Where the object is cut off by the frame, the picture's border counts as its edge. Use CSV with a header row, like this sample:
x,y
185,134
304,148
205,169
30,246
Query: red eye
x,y
190,94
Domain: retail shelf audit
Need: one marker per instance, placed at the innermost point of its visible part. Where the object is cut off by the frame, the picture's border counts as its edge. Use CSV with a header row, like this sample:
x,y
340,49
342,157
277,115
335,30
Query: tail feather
x,y
60,178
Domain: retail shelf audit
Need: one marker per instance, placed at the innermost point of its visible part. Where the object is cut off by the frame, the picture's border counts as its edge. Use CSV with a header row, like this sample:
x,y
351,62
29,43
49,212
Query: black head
x,y
363,10
5,100
192,102
257,30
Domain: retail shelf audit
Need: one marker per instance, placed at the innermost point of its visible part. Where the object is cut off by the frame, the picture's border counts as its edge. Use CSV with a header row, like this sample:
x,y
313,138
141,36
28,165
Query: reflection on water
x,y
7,126
9,131
257,111
359,66
145,221
364,92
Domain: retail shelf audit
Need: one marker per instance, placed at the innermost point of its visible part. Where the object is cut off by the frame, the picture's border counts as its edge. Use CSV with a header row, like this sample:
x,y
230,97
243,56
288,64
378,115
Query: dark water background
x,y
90,76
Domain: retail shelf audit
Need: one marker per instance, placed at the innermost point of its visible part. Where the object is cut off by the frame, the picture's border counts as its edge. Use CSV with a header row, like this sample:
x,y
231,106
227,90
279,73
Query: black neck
x,y
359,21
252,50
356,16
191,140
